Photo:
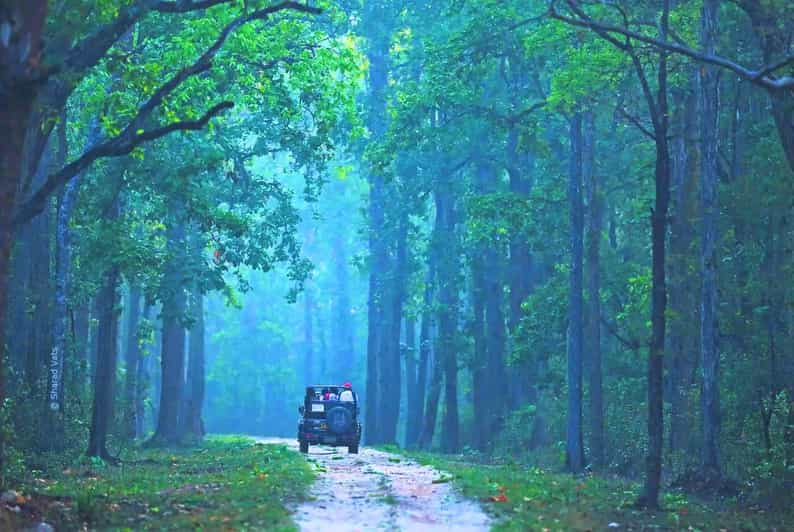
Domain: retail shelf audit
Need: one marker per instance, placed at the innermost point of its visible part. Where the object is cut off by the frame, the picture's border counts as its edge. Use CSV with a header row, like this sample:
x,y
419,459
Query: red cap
x,y
347,385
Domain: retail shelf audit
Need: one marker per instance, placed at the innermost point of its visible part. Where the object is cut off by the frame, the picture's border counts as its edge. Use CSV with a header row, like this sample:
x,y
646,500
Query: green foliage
x,y
531,498
226,482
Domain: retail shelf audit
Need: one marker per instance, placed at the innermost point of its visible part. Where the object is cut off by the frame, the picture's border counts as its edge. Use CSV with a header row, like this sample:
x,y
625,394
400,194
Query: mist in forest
x,y
548,235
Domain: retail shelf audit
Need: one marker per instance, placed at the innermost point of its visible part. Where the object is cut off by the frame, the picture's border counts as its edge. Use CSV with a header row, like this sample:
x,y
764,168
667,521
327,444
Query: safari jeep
x,y
331,422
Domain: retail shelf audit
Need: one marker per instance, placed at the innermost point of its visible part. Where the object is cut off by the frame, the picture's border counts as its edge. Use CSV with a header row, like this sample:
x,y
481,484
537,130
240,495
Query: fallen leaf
x,y
499,498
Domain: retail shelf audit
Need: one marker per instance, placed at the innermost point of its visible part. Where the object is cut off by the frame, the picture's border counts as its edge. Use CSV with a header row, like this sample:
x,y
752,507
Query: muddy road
x,y
374,490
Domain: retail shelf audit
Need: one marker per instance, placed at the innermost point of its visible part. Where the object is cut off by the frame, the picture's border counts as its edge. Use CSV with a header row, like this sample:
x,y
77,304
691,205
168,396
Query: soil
x,y
375,490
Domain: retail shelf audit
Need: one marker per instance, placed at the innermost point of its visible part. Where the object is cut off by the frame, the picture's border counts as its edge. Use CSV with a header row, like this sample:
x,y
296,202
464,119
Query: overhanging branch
x,y
760,77
135,133
115,147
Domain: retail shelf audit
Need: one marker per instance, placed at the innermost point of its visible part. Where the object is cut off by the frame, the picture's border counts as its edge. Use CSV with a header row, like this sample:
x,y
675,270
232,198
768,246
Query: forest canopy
x,y
556,233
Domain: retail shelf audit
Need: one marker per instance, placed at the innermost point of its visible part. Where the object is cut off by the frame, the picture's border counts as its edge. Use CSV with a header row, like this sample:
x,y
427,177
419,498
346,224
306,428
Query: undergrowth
x,y
224,483
531,498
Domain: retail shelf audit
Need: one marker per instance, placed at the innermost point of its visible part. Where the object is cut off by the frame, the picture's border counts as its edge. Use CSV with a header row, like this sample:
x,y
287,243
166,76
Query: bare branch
x,y
636,122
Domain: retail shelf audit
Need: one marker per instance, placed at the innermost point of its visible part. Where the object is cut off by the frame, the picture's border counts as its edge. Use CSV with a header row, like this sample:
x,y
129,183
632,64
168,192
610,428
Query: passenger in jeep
x,y
347,393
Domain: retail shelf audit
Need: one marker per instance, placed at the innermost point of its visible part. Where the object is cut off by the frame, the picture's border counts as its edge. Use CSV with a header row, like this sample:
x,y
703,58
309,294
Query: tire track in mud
x,y
375,490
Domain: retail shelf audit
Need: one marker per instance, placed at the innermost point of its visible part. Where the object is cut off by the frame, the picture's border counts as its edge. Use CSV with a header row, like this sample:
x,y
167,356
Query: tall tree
x,y
593,234
574,442
709,112
172,354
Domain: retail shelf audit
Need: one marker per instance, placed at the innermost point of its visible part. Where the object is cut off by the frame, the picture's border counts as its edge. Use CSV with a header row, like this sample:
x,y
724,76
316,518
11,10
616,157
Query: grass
x,y
522,498
225,483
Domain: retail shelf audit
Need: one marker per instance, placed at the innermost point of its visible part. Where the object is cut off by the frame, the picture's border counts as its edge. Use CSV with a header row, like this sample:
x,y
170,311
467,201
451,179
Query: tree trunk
x,y
142,378
682,340
574,449
425,348
445,239
107,357
390,386
411,383
709,113
18,67
593,242
194,425
480,390
172,354
520,275
433,397
658,278
377,120
132,361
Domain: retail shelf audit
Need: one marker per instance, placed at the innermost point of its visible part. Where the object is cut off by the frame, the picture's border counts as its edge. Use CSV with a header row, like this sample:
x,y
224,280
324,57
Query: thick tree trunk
x,y
574,448
132,361
172,354
20,64
593,243
709,113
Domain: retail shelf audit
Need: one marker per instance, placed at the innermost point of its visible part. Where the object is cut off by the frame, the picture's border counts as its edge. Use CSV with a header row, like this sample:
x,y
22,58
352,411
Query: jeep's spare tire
x,y
339,419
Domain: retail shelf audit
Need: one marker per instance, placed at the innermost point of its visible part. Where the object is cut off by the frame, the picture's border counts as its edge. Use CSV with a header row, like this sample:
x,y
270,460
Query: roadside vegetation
x,y
228,483
522,497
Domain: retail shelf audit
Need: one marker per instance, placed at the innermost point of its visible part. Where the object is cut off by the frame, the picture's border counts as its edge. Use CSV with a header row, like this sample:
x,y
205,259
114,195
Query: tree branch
x,y
635,121
115,147
132,135
760,77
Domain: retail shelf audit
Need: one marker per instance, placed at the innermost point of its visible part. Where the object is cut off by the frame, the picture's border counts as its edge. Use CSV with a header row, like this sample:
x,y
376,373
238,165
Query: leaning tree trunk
x,y
574,449
709,113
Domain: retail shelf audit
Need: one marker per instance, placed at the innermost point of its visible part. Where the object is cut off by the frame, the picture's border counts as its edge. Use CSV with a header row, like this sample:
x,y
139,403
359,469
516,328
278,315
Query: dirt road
x,y
374,490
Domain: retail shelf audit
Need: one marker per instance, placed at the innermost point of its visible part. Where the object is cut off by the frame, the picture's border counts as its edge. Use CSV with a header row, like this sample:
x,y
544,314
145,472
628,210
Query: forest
x,y
549,242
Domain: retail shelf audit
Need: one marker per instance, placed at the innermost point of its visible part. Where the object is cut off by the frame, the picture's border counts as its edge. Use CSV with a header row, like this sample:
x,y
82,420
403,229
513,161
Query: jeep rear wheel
x,y
352,449
304,446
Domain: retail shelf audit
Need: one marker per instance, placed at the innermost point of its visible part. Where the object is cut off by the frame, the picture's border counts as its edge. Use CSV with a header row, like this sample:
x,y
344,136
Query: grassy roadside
x,y
226,483
522,498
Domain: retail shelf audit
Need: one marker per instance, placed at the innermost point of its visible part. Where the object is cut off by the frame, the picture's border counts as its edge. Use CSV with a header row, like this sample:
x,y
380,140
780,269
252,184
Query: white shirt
x,y
346,395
